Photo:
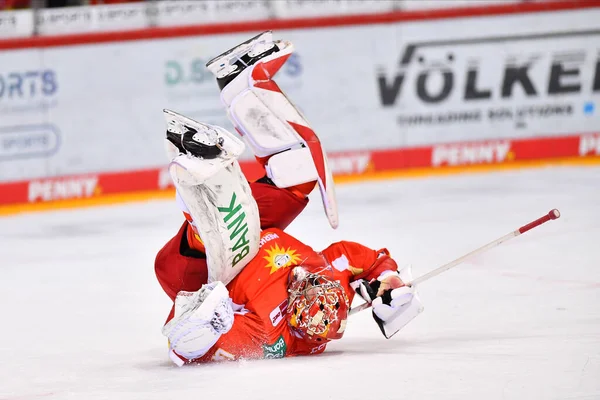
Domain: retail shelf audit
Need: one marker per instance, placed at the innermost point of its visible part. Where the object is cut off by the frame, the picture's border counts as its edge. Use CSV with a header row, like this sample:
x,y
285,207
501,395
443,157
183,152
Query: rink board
x,y
102,188
383,91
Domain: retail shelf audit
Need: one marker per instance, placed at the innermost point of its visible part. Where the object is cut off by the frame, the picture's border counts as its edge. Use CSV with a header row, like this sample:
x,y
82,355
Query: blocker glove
x,y
394,304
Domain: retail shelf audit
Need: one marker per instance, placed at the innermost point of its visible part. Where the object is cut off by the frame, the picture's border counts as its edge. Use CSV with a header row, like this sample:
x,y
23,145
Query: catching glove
x,y
200,319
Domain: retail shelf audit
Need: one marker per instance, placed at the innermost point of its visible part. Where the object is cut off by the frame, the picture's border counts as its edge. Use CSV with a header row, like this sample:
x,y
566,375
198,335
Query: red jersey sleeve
x,y
355,261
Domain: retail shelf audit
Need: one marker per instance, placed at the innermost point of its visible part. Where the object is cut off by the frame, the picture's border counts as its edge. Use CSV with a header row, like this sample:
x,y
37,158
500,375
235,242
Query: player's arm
x,y
375,277
206,328
357,262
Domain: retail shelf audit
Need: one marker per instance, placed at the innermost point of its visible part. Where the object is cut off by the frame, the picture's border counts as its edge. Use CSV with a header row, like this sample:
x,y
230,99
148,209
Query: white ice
x,y
81,310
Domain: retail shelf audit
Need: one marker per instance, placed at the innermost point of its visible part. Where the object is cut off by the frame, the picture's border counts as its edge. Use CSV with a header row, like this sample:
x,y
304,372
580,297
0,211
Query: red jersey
x,y
260,297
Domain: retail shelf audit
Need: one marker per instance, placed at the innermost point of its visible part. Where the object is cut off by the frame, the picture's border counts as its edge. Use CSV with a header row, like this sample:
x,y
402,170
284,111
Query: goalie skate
x,y
230,63
204,142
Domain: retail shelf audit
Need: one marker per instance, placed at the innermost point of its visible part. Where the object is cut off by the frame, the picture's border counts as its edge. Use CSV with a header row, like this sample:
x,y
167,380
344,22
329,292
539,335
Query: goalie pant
x,y
179,266
259,294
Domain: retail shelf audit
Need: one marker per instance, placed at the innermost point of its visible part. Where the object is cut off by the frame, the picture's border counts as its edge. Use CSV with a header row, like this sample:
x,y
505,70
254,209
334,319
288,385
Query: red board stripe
x,y
350,163
552,147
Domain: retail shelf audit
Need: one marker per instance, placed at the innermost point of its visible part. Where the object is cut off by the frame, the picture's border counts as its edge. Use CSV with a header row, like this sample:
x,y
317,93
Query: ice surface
x,y
81,309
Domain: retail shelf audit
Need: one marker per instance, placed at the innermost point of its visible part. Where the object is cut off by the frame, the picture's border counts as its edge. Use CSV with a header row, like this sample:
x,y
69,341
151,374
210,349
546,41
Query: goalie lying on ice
x,y
269,295
283,143
289,300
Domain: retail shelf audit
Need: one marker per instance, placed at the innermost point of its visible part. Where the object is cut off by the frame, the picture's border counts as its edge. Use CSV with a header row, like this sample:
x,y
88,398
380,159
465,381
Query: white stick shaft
x,y
553,214
459,260
446,267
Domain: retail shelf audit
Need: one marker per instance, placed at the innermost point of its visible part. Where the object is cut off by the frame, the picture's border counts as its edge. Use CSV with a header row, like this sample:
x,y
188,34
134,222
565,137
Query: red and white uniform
x,y
259,294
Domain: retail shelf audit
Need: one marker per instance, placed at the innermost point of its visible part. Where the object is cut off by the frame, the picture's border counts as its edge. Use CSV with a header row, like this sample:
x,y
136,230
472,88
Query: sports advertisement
x,y
415,93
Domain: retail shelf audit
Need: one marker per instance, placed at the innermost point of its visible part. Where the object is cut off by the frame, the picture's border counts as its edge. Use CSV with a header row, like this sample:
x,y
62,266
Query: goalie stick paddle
x,y
553,214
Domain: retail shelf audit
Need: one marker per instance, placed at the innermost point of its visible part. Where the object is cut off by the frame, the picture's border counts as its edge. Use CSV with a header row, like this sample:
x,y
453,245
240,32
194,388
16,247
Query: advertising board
x,y
413,93
357,164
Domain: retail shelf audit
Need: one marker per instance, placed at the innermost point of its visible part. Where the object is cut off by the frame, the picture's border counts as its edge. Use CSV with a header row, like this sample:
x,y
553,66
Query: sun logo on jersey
x,y
280,257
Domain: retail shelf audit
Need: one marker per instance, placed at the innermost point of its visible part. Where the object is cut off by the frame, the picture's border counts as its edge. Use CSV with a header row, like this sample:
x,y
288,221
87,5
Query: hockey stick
x,y
553,214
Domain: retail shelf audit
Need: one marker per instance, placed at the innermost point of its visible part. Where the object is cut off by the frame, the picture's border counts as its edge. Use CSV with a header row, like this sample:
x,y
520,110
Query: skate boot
x,y
228,65
199,140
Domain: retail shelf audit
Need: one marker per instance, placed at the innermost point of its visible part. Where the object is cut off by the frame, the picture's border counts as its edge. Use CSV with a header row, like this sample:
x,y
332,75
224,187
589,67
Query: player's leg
x,y
273,127
178,266
181,263
213,193
278,207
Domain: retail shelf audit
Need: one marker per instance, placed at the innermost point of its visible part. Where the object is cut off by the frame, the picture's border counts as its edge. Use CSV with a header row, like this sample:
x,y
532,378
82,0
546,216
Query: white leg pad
x,y
270,123
265,132
291,168
220,202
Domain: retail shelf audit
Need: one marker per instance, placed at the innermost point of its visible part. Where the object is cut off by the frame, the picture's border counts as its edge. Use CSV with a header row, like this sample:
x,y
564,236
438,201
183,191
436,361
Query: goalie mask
x,y
317,306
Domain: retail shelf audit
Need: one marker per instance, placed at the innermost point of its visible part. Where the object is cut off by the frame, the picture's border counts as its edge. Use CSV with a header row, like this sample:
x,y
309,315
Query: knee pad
x,y
291,168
